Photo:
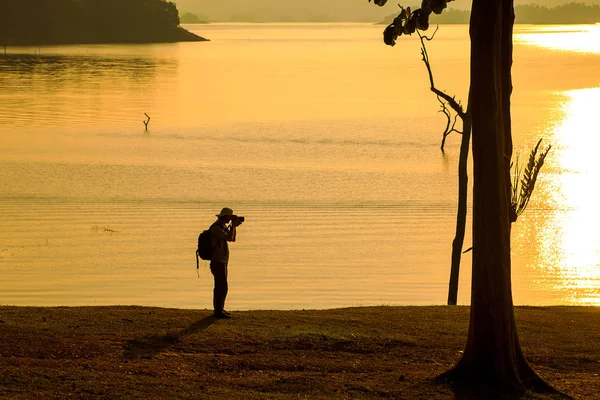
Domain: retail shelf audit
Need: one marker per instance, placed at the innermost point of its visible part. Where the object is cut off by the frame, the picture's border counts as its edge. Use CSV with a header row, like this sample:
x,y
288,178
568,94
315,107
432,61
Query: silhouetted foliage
x,y
90,21
408,22
523,186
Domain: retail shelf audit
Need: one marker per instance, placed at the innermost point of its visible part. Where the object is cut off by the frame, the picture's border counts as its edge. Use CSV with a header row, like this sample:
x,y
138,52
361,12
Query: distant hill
x,y
316,10
41,22
285,10
190,18
572,13
466,4
553,3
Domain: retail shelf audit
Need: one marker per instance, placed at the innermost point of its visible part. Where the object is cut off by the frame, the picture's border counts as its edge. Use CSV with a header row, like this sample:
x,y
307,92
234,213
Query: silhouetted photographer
x,y
222,231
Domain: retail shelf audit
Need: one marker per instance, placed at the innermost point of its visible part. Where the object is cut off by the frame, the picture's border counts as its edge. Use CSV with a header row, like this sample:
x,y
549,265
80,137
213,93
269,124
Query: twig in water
x,y
147,121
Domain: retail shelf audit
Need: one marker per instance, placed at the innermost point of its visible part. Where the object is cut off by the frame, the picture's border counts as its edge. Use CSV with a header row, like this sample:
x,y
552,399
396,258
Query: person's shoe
x,y
222,315
226,313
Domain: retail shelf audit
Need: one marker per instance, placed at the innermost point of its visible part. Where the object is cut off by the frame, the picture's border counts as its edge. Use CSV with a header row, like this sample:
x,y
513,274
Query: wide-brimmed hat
x,y
226,211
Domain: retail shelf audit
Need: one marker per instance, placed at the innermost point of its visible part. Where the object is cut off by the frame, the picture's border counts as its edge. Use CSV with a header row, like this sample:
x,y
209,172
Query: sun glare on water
x,y
572,247
577,38
569,244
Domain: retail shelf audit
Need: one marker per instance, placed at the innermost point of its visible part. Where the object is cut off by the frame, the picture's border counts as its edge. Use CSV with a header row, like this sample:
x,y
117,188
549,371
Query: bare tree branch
x,y
442,97
425,57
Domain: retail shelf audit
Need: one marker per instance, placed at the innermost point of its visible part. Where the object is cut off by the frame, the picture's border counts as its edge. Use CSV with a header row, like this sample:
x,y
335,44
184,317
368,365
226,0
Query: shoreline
x,y
175,36
362,352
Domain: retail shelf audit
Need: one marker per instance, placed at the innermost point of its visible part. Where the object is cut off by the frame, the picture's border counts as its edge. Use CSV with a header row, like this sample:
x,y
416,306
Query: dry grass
x,y
364,353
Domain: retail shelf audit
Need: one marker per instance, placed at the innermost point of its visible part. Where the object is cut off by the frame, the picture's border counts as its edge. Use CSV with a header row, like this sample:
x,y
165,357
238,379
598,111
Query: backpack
x,y
205,248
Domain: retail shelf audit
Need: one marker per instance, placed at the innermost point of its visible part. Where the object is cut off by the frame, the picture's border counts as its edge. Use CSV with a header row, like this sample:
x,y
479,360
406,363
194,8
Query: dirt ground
x,y
362,353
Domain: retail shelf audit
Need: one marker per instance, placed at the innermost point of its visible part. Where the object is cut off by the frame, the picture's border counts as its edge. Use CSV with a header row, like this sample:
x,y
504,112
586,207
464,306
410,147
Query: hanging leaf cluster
x,y
407,22
380,3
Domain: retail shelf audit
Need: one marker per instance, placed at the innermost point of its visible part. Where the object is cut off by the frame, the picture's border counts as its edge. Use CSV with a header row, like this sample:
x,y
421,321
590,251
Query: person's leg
x,y
219,271
224,288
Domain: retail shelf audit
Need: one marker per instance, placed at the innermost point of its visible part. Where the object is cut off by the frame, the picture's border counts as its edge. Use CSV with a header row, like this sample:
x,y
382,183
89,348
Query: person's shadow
x,y
149,346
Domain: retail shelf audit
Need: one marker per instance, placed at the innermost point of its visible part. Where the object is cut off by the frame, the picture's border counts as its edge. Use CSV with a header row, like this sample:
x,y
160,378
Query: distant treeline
x,y
571,13
191,18
37,22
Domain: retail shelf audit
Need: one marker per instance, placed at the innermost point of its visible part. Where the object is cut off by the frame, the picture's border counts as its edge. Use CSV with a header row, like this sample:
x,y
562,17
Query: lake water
x,y
323,137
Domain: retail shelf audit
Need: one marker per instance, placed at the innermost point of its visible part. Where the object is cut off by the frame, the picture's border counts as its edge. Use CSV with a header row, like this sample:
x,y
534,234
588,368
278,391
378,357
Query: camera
x,y
241,219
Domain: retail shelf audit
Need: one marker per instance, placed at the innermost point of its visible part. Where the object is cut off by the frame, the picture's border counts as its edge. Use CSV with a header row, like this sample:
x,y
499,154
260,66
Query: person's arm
x,y
220,233
224,233
232,232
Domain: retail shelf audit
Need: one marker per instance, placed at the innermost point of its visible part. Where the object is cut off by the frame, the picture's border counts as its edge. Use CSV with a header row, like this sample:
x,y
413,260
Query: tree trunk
x,y
492,357
461,214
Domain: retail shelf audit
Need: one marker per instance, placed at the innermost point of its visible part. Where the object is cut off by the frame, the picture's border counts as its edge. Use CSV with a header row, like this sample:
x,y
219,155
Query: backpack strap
x,y
210,230
198,264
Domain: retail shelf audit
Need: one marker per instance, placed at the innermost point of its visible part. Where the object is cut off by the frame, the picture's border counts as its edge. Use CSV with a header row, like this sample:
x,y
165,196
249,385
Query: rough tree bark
x,y
493,356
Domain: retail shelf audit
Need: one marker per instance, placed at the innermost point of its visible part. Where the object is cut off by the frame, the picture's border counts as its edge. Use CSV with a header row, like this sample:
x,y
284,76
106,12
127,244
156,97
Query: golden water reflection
x,y
578,38
567,215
